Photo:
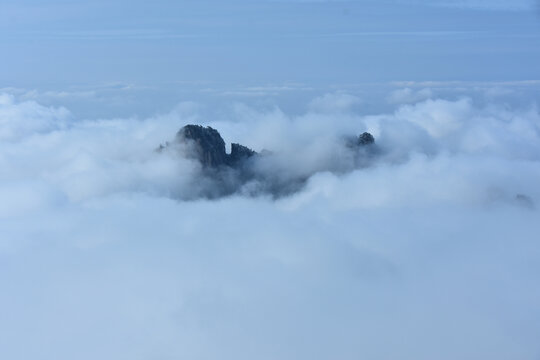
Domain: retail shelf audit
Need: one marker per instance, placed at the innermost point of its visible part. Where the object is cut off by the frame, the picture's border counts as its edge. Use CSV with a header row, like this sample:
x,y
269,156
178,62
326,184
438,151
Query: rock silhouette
x,y
365,139
208,147
245,171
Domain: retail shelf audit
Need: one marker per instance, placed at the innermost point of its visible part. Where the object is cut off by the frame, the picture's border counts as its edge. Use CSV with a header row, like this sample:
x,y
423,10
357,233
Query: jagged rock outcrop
x,y
363,139
248,172
239,153
207,146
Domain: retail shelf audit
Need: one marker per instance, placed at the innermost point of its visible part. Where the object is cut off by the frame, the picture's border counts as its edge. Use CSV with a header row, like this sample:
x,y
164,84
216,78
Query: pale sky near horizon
x,y
60,43
136,58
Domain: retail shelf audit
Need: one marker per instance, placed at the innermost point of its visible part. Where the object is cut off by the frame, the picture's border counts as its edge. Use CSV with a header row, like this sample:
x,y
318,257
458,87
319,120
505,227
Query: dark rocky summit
x,y
209,148
239,153
248,172
362,140
366,139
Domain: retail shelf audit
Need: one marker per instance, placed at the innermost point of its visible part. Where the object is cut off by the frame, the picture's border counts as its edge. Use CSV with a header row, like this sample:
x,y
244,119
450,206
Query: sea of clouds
x,y
430,252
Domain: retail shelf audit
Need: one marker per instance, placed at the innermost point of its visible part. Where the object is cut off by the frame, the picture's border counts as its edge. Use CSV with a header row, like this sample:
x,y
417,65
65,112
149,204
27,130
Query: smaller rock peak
x,y
240,153
366,139
362,140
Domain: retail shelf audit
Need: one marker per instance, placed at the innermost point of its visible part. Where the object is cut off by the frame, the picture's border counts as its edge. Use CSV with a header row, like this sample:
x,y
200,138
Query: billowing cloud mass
x,y
427,251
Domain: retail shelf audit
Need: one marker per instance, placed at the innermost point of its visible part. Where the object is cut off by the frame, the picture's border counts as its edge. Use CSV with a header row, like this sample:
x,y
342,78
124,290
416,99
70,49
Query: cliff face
x,y
252,173
209,148
239,153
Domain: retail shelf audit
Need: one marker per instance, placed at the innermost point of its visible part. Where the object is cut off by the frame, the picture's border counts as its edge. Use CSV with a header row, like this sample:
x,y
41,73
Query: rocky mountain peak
x,y
209,147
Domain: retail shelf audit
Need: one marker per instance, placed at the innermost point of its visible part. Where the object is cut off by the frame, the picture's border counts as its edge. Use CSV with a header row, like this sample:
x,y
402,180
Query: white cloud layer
x,y
430,252
408,95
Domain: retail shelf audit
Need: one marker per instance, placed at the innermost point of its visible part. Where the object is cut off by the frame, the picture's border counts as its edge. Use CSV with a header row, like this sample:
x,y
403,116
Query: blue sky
x,y
119,58
61,42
